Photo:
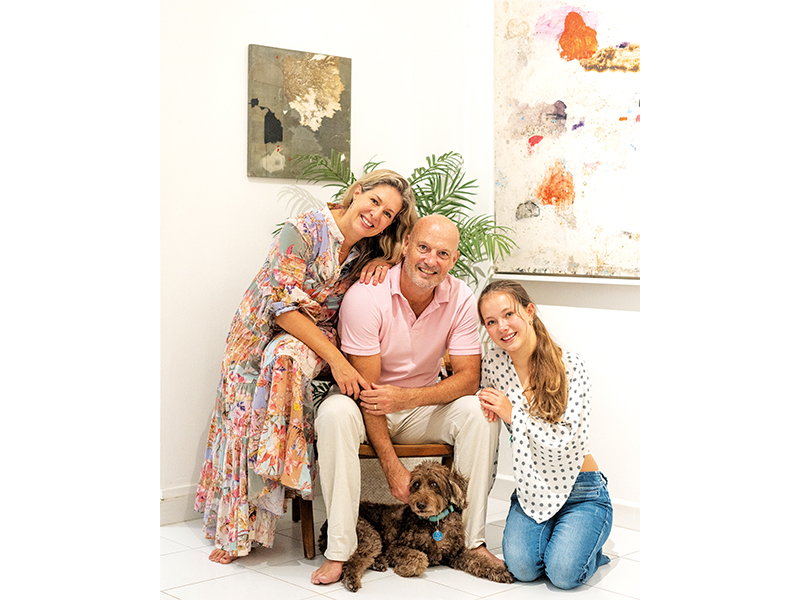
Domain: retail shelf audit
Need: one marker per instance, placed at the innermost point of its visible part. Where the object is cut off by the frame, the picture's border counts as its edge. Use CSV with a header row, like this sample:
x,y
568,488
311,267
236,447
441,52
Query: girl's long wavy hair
x,y
388,245
547,374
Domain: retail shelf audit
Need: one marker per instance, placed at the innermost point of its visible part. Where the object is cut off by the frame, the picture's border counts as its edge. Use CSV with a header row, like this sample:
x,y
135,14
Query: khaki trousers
x,y
340,429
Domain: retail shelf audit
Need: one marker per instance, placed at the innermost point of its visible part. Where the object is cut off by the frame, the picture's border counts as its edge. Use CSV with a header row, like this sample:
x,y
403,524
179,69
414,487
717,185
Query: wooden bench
x,y
302,510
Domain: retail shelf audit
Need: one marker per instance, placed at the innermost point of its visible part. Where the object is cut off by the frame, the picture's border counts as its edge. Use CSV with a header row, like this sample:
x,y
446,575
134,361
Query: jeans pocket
x,y
585,492
589,486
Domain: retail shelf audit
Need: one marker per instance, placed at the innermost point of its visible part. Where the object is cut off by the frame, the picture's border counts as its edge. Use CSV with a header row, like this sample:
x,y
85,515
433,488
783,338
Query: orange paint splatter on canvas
x,y
557,189
578,41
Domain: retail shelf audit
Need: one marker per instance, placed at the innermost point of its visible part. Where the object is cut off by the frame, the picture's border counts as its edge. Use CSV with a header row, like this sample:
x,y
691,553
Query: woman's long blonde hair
x,y
388,245
547,374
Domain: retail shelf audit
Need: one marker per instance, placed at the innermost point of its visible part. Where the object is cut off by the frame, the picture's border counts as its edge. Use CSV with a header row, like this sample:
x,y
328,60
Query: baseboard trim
x,y
177,505
626,514
503,487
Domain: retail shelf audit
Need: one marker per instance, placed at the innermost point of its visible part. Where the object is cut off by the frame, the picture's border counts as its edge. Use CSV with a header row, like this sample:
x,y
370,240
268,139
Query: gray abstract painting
x,y
299,103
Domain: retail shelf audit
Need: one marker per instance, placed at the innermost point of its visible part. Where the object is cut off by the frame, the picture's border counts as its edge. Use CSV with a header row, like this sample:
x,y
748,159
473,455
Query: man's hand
x,y
399,480
384,399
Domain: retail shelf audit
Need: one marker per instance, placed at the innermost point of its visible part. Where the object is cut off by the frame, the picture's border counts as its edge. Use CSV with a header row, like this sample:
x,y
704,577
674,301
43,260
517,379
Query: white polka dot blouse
x,y
546,457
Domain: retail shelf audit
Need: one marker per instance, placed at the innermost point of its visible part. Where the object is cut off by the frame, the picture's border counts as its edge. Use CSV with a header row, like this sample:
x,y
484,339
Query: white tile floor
x,y
282,571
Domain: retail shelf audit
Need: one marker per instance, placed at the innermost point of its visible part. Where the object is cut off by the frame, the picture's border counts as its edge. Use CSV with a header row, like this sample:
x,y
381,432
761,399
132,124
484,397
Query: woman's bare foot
x,y
222,557
329,572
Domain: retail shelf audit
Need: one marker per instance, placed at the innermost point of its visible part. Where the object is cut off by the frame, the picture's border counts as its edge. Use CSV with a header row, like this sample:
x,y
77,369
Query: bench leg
x,y
306,525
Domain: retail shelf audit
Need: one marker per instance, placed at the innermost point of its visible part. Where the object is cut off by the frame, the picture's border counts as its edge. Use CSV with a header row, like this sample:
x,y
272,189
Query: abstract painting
x,y
299,103
567,118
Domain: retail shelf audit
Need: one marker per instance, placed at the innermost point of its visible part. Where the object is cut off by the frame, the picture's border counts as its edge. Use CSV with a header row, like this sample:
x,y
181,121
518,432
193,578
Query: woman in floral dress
x,y
261,439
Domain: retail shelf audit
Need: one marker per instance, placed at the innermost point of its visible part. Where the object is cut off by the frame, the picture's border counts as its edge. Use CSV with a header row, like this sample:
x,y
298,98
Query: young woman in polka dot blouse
x,y
560,513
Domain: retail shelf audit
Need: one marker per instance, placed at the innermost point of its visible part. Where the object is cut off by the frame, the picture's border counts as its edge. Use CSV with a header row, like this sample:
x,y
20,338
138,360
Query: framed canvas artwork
x,y
567,118
299,103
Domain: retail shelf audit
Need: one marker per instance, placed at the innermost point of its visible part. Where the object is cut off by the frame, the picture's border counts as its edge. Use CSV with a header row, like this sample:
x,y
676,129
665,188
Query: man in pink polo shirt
x,y
396,334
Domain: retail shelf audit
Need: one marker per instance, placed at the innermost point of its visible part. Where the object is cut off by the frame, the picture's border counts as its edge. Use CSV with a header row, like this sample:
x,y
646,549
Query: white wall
x,y
422,85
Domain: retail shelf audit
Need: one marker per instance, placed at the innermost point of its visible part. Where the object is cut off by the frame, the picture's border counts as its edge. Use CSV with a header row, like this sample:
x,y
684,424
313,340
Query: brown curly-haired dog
x,y
405,537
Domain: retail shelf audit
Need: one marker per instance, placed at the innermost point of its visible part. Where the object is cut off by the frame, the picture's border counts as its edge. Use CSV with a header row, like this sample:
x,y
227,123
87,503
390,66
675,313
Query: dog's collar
x,y
441,515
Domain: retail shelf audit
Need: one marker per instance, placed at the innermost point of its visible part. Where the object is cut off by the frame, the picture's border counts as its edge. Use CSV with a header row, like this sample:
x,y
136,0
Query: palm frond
x,y
440,187
333,169
371,165
449,162
482,239
438,171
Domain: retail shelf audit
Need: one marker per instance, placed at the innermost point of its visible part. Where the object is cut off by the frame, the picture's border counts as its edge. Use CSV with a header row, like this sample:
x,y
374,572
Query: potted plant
x,y
439,188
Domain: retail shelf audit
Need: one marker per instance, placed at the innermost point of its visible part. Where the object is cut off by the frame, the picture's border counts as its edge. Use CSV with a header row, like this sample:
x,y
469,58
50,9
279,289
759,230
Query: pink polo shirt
x,y
377,319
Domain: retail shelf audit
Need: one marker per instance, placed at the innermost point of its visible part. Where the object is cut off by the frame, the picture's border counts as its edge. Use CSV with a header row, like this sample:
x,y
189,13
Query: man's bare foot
x,y
329,572
222,557
485,551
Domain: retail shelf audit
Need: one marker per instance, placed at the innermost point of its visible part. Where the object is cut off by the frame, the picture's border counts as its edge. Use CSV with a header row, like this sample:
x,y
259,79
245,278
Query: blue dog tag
x,y
437,535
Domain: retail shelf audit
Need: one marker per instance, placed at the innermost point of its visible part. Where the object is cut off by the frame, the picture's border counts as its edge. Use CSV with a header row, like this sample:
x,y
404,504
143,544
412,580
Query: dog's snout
x,y
421,506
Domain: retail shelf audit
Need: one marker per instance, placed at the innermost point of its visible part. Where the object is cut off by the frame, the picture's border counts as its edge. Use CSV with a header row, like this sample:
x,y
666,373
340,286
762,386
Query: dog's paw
x,y
380,563
500,576
412,568
351,583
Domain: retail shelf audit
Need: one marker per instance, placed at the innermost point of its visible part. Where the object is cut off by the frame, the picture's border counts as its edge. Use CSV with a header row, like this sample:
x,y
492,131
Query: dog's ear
x,y
458,489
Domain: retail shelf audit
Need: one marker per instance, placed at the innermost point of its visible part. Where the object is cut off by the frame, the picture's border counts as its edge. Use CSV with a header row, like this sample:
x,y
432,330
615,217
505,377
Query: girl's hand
x,y
348,379
375,270
495,403
490,415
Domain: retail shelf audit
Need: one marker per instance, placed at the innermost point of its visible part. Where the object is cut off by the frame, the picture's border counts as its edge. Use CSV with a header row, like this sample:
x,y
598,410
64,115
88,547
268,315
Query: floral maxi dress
x,y
261,438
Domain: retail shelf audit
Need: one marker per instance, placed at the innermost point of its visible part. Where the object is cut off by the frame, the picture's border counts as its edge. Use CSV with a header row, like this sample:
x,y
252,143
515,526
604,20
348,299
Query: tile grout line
x,y
287,534
178,587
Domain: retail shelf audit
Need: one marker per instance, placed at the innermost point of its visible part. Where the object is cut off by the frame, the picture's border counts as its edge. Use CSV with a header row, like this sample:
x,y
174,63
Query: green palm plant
x,y
440,187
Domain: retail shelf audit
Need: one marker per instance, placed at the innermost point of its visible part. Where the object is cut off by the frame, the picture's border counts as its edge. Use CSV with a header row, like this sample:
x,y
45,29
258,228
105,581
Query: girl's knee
x,y
566,573
522,570
521,562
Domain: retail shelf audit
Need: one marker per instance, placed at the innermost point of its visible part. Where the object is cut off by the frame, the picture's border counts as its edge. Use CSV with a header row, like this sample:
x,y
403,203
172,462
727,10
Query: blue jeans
x,y
568,547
